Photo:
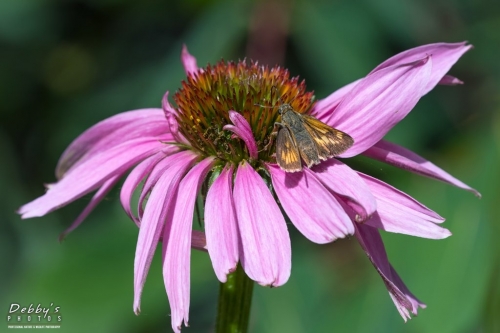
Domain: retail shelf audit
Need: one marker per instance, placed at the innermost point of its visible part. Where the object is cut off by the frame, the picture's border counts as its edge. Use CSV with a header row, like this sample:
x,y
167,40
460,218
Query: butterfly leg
x,y
272,136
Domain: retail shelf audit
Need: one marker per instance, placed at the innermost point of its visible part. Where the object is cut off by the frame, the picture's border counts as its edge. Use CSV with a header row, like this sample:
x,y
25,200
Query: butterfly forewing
x,y
329,141
287,153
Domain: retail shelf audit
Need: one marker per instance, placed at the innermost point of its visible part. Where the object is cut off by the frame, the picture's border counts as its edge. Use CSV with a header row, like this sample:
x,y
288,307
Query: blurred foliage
x,y
64,65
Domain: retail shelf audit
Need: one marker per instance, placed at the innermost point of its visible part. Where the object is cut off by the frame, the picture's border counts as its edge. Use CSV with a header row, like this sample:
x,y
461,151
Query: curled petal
x,y
321,220
110,133
243,130
134,179
449,80
91,174
198,240
379,102
154,219
341,179
221,226
98,196
266,256
167,108
372,244
403,158
188,61
177,243
444,55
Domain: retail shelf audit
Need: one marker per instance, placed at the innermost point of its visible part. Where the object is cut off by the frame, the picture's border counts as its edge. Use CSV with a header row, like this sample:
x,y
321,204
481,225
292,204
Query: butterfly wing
x,y
329,141
287,153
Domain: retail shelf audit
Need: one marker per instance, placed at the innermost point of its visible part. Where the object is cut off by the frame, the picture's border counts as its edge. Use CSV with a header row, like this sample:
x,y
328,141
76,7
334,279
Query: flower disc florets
x,y
254,91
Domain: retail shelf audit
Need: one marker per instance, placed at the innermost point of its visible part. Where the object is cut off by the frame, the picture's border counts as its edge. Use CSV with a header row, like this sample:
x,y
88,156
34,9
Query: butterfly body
x,y
303,136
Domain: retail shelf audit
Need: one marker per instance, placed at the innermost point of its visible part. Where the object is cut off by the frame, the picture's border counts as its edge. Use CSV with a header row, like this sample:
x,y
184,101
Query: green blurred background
x,y
64,65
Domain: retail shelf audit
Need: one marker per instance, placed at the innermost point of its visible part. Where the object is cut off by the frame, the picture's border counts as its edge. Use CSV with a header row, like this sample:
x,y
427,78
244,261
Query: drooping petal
x,y
324,107
341,179
221,227
403,158
266,256
379,102
444,55
321,220
155,214
385,192
98,196
372,244
91,174
134,179
151,180
188,61
177,244
243,130
110,133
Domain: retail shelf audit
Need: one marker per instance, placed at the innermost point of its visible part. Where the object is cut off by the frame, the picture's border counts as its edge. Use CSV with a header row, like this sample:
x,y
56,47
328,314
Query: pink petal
x,y
321,220
444,55
91,174
449,80
154,218
134,179
405,159
98,196
167,108
243,130
266,256
221,226
385,192
341,179
110,133
188,61
198,240
324,107
151,180
177,243
379,102
372,244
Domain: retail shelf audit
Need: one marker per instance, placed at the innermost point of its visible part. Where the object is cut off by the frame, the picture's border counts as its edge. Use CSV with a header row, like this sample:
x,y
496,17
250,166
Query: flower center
x,y
254,91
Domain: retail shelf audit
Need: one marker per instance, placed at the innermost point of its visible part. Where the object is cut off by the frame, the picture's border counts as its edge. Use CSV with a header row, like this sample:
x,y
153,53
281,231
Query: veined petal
x,y
379,102
110,133
98,196
321,220
266,256
188,61
153,221
341,179
444,55
221,227
403,158
167,108
134,179
243,130
372,244
177,243
324,107
91,174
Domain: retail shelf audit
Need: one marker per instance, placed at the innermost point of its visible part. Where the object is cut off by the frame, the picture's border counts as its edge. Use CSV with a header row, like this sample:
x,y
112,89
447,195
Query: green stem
x,y
235,300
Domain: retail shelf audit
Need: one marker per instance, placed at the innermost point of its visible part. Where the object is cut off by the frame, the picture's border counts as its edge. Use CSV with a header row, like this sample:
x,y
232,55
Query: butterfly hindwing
x,y
329,141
